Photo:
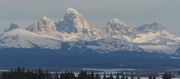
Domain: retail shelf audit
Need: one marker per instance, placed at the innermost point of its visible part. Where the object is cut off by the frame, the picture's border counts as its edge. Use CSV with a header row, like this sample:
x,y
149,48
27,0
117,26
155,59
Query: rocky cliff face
x,y
73,22
44,25
12,26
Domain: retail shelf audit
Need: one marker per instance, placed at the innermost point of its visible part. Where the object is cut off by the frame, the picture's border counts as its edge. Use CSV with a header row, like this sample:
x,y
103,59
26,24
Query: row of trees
x,y
41,74
22,74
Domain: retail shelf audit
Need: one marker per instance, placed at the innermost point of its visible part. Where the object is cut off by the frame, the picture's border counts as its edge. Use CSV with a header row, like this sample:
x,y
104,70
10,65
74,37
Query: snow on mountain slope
x,y
122,37
65,37
155,28
168,49
155,33
111,44
19,38
116,27
44,25
154,42
73,22
104,45
155,38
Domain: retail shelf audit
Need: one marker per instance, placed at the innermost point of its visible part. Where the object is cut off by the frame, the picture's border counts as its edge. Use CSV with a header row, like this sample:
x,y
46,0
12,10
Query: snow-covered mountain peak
x,y
157,29
117,22
12,26
73,22
155,38
73,15
154,27
71,11
44,25
116,27
45,19
115,19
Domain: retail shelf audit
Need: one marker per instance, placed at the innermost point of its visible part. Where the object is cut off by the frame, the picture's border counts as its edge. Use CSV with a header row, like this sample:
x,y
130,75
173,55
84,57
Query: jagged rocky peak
x,y
45,19
116,27
154,27
73,18
73,22
116,23
71,11
44,25
12,26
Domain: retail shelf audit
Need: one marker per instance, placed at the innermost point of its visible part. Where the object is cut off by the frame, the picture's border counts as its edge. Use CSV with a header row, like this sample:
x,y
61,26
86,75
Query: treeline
x,y
20,73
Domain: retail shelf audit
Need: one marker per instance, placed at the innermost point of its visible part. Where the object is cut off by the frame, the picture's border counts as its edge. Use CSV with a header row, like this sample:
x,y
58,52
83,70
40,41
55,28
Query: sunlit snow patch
x,y
174,57
168,49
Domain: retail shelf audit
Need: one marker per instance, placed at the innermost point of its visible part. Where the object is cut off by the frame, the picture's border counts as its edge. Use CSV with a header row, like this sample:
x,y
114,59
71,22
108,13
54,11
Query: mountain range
x,y
73,33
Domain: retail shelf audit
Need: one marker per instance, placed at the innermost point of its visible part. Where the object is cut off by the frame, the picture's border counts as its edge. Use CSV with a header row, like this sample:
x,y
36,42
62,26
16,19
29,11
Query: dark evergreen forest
x,y
21,73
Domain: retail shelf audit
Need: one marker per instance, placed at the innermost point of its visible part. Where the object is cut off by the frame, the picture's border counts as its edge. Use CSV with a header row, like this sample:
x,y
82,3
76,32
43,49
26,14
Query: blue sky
x,y
96,12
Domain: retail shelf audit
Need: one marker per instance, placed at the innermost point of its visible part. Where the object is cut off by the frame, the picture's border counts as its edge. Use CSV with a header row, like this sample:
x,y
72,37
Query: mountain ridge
x,y
73,28
44,25
116,27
